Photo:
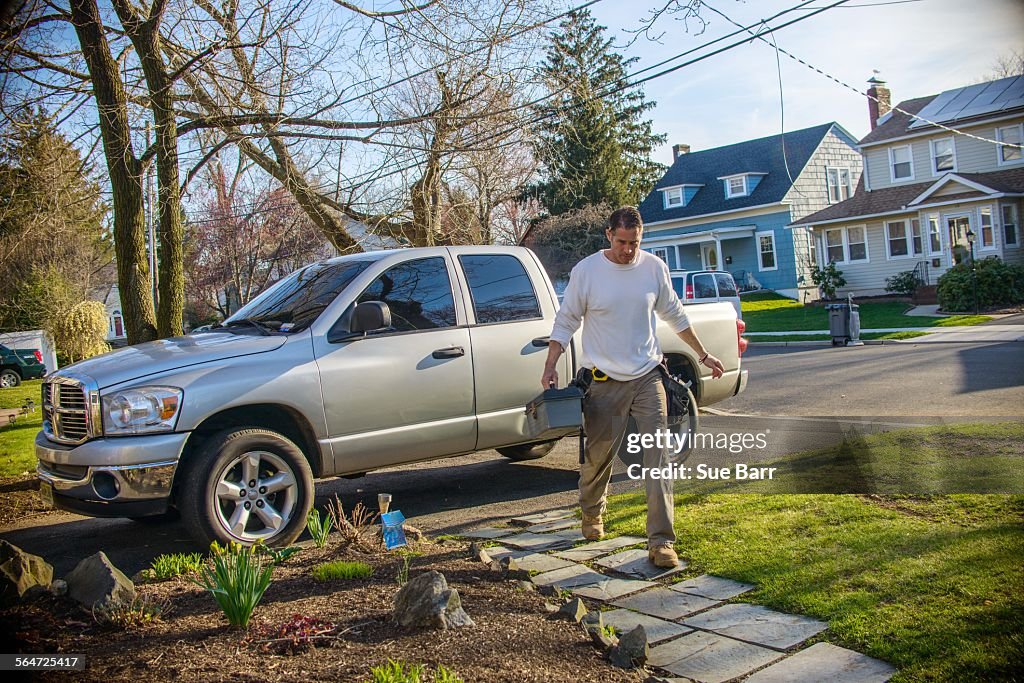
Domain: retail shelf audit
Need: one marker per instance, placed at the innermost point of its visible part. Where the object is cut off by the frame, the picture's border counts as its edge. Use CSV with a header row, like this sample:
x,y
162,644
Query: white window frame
x,y
775,251
1000,148
842,243
892,163
843,190
670,193
982,212
661,252
927,235
907,236
729,194
845,233
952,147
846,238
1015,222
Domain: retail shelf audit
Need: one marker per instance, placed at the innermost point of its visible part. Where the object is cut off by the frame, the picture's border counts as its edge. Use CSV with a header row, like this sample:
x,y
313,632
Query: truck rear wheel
x,y
527,451
9,378
246,485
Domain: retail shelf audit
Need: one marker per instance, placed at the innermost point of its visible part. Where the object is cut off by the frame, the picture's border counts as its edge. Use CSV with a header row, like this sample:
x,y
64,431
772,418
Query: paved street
x,y
791,391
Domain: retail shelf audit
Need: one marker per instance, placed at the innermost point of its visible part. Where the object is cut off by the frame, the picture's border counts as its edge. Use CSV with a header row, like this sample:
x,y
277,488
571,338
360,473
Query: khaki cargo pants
x,y
605,417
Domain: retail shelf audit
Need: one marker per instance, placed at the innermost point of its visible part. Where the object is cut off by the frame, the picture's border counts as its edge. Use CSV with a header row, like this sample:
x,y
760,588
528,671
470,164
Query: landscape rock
x,y
592,621
602,639
632,650
97,583
574,610
20,572
426,601
508,568
551,609
526,586
412,533
59,588
548,591
479,552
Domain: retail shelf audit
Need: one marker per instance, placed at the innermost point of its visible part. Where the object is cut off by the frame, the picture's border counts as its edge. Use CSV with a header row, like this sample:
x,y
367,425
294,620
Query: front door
x,y
709,255
960,248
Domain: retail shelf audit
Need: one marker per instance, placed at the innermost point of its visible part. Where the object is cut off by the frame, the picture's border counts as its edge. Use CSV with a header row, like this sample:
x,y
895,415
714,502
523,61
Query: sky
x,y
920,47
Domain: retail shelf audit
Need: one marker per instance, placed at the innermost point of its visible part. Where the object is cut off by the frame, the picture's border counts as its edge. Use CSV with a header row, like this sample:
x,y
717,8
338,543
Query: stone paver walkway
x,y
693,631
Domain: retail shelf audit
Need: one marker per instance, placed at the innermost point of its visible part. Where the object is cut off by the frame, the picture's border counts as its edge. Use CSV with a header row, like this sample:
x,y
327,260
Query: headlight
x,y
141,410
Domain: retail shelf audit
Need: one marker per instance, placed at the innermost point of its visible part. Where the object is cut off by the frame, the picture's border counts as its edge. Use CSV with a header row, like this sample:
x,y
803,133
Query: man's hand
x,y
717,369
549,379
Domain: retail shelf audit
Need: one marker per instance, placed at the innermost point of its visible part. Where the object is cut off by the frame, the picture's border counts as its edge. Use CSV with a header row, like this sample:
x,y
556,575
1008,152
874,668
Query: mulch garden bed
x,y
513,639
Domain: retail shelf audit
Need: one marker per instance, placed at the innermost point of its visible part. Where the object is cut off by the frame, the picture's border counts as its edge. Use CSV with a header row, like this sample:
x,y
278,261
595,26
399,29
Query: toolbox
x,y
555,413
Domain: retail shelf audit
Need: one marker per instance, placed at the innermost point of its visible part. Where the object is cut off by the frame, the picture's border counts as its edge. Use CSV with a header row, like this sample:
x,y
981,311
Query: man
x,y
617,293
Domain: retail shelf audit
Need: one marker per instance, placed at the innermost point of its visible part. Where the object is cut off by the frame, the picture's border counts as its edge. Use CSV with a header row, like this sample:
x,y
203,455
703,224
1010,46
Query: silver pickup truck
x,y
343,367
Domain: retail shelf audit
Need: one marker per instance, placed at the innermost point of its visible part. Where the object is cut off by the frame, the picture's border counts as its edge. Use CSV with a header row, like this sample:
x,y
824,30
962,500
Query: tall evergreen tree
x,y
594,144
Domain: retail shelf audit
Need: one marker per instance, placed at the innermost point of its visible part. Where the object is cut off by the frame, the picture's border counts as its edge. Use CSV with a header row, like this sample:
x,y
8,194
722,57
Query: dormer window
x,y
736,187
673,197
741,184
676,196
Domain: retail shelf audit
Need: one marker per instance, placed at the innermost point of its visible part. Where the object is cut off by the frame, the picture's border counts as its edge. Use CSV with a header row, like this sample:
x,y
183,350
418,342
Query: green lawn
x,y
16,451
769,312
932,584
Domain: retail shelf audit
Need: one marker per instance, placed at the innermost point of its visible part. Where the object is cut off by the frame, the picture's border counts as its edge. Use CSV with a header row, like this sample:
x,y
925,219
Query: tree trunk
x,y
145,36
125,174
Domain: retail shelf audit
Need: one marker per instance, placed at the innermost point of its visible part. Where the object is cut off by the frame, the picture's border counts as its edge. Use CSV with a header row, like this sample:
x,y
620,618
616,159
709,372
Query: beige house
x,y
940,173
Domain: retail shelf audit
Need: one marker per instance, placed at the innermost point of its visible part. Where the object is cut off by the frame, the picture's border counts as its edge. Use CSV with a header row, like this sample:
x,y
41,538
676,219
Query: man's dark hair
x,y
626,217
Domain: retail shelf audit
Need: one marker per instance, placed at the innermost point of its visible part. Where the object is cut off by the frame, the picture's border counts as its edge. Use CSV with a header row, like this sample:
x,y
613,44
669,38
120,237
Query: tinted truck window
x,y
704,287
418,293
500,288
726,285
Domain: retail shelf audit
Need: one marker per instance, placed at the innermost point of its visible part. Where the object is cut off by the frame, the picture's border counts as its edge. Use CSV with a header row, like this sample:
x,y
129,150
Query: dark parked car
x,y
16,365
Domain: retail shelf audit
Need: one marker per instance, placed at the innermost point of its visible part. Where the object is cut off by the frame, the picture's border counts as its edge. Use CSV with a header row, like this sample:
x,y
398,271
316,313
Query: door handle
x,y
450,352
541,342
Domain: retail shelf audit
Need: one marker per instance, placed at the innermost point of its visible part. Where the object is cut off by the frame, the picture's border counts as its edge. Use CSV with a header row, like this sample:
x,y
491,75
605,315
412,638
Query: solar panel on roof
x,y
973,100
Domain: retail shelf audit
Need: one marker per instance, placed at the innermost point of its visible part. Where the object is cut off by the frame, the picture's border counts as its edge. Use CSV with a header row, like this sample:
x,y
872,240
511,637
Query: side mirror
x,y
371,316
356,323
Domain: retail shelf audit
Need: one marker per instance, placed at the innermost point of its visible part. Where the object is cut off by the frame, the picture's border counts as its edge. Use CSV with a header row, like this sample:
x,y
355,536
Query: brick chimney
x,y
679,150
879,103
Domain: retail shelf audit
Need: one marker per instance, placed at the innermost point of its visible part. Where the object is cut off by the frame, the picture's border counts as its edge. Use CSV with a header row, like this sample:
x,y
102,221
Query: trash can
x,y
844,323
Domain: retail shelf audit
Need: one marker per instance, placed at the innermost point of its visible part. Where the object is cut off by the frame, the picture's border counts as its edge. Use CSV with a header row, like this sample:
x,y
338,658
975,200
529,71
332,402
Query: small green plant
x,y
298,634
402,672
319,529
905,283
341,569
402,577
141,611
238,579
278,555
828,279
176,564
610,631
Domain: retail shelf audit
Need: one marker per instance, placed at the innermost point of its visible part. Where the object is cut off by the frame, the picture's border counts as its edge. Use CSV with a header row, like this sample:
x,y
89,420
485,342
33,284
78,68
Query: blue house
x,y
732,208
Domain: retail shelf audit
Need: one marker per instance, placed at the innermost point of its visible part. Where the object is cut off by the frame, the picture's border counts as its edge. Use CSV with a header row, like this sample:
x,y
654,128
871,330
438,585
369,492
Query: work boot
x,y
593,528
663,556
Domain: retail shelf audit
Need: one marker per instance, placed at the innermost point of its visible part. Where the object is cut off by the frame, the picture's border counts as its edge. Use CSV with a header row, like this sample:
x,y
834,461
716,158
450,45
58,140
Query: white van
x,y
706,286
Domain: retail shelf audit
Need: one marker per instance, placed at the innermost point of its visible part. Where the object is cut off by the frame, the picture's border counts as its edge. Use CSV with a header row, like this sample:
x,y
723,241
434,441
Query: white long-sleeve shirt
x,y
617,306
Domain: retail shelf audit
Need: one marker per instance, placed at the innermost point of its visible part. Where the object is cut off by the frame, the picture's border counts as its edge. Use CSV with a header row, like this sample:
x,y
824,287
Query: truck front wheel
x,y
527,451
246,485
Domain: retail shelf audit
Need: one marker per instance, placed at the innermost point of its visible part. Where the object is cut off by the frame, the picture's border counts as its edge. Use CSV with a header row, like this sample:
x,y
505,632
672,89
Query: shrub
x,y
318,528
169,566
237,580
828,279
81,332
340,569
905,283
296,635
999,284
126,615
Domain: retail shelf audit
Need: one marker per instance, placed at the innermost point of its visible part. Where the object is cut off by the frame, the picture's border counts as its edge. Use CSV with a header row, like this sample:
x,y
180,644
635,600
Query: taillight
x,y
689,291
741,343
39,356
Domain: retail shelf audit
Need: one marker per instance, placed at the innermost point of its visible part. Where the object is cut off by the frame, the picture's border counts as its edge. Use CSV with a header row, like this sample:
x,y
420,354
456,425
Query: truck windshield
x,y
293,303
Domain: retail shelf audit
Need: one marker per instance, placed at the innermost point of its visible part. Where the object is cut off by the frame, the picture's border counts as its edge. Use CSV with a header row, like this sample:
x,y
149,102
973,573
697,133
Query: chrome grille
x,y
68,410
